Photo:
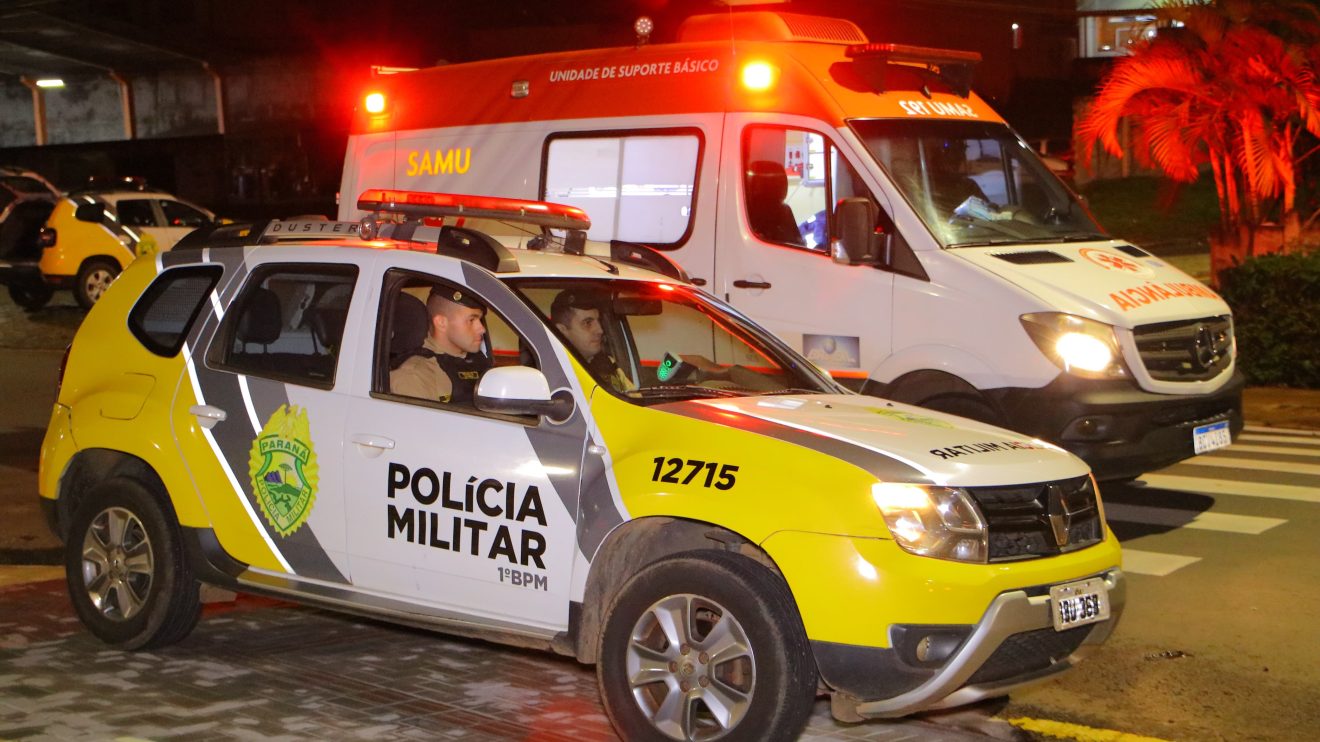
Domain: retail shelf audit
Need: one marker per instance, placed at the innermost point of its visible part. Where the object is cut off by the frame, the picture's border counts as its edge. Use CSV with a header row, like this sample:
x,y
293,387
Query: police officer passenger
x,y
450,363
577,315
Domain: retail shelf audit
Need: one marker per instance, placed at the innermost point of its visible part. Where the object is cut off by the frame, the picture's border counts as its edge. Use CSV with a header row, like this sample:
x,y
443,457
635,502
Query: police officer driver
x,y
577,315
450,363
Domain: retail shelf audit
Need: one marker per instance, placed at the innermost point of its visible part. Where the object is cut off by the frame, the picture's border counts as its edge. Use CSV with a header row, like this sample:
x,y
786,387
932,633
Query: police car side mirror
x,y
521,390
858,243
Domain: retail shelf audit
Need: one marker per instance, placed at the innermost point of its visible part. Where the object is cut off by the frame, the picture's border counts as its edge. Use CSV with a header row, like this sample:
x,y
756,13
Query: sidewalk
x,y
1276,407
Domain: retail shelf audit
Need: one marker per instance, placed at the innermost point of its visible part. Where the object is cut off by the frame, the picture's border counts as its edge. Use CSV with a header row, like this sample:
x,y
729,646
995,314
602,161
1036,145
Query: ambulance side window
x,y
791,180
637,187
287,324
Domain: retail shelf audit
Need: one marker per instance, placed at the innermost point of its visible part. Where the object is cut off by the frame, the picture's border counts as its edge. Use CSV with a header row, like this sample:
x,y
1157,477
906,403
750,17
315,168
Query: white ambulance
x,y
854,197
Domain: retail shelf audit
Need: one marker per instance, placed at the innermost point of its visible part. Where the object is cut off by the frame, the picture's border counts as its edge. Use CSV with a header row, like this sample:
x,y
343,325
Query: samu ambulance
x,y
855,198
711,519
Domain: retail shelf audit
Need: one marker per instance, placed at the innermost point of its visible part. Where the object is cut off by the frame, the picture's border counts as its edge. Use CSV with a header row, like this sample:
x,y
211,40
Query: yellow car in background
x,y
94,234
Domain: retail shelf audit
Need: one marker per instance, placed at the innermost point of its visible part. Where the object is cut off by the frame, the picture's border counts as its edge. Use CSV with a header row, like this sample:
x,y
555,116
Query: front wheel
x,y
31,297
94,278
128,577
706,645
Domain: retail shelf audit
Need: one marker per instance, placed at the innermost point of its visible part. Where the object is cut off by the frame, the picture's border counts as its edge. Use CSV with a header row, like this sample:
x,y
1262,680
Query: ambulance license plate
x,y
1210,437
1079,603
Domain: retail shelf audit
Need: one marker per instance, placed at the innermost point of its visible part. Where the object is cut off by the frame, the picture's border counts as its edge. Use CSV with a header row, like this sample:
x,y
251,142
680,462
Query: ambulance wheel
x,y
94,277
127,573
706,645
31,297
965,405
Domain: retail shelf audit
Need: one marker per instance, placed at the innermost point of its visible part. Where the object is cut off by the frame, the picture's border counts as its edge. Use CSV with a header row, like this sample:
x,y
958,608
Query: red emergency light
x,y
424,204
374,103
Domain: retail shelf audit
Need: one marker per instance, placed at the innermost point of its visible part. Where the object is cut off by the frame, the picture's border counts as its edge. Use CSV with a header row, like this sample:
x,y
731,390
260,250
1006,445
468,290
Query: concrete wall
x,y
16,127
175,104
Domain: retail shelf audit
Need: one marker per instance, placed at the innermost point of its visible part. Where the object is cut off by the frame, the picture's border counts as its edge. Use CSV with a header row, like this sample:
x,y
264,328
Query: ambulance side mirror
x,y
522,390
857,242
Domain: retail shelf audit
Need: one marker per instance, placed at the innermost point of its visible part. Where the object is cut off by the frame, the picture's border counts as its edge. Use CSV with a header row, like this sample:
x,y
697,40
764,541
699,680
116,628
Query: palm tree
x,y
1234,89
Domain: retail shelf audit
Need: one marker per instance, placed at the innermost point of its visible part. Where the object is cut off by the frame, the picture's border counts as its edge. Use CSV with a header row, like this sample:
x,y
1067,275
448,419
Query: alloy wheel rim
x,y
690,667
97,282
117,564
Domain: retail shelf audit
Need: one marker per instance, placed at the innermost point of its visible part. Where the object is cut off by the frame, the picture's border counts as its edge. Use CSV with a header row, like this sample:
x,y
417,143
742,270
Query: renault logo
x,y
1060,515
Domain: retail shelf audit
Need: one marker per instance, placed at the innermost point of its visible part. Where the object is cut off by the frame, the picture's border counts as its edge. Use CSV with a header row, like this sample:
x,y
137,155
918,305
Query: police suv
x,y
680,498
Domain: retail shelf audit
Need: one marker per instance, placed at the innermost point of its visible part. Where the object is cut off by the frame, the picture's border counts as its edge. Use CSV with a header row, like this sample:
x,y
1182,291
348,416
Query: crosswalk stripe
x,y
1268,430
1188,519
1153,563
1221,487
1294,440
1247,448
1258,464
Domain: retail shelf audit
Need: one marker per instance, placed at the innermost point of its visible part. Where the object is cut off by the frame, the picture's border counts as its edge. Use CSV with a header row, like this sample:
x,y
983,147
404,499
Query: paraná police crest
x,y
283,469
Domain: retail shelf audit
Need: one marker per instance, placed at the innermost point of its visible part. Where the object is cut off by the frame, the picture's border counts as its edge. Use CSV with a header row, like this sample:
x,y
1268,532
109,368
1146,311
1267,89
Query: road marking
x,y
1286,467
1065,730
1291,431
1190,519
1245,448
1295,440
1153,563
1222,487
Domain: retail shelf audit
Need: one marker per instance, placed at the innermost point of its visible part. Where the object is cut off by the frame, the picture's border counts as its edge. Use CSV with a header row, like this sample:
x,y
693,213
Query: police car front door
x,y
448,507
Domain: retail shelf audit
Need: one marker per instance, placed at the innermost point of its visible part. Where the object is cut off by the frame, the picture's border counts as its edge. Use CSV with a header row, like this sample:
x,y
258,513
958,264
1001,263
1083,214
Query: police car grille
x,y
1028,521
1186,350
1028,652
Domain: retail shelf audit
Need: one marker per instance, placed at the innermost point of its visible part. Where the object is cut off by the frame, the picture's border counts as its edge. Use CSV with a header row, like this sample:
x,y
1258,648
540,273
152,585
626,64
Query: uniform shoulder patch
x,y
283,469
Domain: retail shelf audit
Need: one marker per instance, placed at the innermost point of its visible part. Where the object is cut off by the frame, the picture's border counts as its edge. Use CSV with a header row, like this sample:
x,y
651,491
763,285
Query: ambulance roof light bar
x,y
420,204
954,66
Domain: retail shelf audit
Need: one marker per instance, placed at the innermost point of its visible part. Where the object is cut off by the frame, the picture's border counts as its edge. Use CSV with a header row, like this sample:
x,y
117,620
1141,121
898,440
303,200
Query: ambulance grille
x,y
1035,520
827,30
1186,350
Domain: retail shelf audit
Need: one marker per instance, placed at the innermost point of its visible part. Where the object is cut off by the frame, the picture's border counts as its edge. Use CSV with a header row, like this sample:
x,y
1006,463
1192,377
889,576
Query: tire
x,y
967,406
31,297
766,680
128,577
94,277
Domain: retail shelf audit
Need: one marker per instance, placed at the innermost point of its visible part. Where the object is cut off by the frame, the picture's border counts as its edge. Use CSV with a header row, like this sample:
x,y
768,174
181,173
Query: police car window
x,y
162,318
414,351
136,212
636,187
651,342
181,215
287,324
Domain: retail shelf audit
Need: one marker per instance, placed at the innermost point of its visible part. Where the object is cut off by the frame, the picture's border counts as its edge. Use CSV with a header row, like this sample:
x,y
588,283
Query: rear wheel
x,y
31,297
94,277
128,577
706,646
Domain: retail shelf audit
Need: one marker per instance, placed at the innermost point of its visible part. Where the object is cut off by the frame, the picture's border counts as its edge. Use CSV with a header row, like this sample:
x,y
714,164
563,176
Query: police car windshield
x,y
651,342
975,183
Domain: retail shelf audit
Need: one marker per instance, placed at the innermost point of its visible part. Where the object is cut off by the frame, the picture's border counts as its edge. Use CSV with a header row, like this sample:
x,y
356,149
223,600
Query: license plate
x,y
1210,437
1079,603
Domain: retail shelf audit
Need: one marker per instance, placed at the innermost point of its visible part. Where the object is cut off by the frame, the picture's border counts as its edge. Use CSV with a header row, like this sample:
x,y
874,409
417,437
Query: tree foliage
x,y
1233,90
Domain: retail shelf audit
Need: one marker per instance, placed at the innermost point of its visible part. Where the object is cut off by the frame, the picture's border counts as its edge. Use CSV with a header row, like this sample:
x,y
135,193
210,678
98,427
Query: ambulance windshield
x,y
975,183
653,342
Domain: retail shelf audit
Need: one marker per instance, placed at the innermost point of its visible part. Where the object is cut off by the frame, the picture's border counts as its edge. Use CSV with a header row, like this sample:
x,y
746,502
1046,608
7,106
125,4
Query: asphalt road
x,y
1218,641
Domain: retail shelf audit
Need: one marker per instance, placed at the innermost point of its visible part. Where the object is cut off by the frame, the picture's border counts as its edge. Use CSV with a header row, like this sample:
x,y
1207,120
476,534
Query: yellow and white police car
x,y
624,470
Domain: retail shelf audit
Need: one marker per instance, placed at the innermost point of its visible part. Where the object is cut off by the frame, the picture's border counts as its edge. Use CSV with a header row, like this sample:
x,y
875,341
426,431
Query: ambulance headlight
x,y
1080,346
939,522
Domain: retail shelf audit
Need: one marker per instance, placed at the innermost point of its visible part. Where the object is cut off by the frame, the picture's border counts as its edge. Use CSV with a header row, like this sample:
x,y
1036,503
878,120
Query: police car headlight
x,y
940,522
1077,345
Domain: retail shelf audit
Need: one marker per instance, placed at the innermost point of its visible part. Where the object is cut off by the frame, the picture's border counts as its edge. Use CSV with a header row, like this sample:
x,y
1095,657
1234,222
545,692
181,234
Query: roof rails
x,y
125,183
271,231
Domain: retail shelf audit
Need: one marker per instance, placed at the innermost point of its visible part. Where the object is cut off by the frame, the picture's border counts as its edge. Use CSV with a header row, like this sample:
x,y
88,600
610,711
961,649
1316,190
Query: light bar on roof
x,y
425,204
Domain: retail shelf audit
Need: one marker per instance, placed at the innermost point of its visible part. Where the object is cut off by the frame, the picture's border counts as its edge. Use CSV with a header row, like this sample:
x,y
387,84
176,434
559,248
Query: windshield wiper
x,y
684,390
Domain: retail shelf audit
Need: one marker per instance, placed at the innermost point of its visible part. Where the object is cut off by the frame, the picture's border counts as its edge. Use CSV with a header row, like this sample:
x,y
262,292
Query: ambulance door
x,y
773,260
468,513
